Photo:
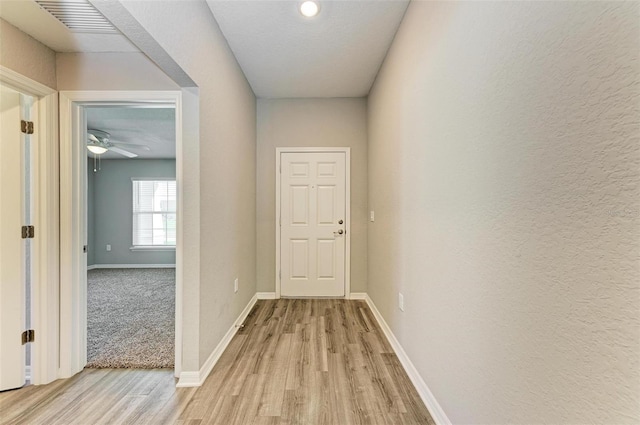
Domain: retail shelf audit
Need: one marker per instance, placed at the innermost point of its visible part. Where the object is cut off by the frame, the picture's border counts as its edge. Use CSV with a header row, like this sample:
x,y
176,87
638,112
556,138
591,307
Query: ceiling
x,y
335,54
154,127
284,55
32,19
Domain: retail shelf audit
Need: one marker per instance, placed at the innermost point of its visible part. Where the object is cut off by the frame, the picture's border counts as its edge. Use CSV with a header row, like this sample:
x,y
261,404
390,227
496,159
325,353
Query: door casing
x,y
347,253
45,246
73,318
15,164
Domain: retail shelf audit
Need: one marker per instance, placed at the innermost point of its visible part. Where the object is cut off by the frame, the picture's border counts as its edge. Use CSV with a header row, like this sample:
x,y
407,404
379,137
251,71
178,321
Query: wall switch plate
x,y
372,215
400,301
108,247
235,285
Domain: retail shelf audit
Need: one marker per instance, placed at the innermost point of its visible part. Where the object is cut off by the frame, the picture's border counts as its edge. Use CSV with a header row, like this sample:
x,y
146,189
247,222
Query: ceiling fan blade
x,y
131,145
98,136
122,152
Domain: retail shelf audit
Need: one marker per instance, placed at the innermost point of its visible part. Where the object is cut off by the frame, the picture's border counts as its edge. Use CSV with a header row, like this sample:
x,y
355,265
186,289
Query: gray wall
x,y
110,71
504,173
311,123
225,245
110,203
27,56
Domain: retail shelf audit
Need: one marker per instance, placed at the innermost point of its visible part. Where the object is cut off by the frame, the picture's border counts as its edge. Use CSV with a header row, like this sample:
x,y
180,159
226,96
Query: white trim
x,y
153,179
196,379
73,318
131,266
425,393
45,260
347,229
266,295
45,284
72,233
358,296
23,84
45,314
152,248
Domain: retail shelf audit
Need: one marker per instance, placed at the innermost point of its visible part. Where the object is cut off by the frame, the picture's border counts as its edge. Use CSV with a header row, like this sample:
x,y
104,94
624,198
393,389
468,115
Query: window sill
x,y
153,248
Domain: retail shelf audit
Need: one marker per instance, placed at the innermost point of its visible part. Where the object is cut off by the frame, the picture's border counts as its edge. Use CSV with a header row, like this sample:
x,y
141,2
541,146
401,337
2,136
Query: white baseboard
x,y
196,379
425,393
272,295
131,266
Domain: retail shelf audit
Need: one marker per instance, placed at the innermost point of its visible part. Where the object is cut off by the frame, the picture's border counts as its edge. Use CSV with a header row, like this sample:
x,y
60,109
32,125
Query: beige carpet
x,y
130,318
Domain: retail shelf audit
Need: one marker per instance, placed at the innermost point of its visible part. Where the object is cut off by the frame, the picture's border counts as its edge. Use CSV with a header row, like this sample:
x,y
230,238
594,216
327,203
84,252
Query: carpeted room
x,y
131,201
131,316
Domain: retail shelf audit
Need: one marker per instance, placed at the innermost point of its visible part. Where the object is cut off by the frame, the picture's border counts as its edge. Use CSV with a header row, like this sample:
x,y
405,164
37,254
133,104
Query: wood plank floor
x,y
295,362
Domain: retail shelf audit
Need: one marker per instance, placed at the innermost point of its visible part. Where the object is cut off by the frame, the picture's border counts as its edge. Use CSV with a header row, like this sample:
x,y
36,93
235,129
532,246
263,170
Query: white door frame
x,y
347,229
73,318
45,253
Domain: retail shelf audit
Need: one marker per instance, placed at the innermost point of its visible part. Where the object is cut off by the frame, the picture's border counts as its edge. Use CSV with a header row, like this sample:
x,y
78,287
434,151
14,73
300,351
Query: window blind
x,y
154,212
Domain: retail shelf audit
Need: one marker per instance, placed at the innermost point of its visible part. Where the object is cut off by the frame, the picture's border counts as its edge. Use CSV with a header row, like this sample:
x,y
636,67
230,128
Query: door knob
x,y
339,232
340,221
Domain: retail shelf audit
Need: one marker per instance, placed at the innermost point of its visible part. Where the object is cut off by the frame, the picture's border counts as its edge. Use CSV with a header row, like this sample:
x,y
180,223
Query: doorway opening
x,y
131,207
121,229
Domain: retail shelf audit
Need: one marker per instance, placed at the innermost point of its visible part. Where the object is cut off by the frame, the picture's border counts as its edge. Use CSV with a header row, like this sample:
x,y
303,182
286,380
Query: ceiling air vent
x,y
78,16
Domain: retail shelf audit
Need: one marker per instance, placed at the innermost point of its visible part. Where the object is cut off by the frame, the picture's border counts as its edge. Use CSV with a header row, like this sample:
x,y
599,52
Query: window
x,y
154,213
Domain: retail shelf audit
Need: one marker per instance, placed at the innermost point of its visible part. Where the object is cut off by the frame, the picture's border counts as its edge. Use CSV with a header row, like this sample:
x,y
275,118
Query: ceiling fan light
x,y
98,150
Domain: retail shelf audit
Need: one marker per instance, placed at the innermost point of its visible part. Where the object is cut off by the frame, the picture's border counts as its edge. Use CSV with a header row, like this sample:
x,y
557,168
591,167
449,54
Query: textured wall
x,y
227,153
110,71
504,170
310,123
110,218
27,56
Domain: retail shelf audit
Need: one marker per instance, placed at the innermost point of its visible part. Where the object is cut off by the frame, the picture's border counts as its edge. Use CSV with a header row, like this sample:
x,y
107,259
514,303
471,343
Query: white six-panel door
x,y
312,224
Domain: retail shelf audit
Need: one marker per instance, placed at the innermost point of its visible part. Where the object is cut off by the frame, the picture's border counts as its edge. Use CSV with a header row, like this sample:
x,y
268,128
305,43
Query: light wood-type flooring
x,y
307,362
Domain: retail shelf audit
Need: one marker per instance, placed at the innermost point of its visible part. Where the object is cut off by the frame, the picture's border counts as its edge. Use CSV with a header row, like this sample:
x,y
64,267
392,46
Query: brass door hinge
x,y
28,232
28,336
26,127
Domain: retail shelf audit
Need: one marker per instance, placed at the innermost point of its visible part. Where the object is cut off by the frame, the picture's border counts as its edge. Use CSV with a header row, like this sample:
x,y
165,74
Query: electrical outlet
x,y
372,215
108,247
400,301
235,285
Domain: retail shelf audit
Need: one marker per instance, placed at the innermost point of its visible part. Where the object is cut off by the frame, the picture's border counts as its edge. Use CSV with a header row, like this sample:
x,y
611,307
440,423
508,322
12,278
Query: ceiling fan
x,y
99,142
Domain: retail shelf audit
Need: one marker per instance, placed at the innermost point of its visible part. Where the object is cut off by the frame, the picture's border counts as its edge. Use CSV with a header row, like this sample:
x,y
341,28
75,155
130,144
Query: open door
x,y
14,238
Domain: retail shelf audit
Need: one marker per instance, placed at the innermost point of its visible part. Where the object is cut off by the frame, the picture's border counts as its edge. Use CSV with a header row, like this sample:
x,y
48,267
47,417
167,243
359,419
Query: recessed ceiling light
x,y
309,8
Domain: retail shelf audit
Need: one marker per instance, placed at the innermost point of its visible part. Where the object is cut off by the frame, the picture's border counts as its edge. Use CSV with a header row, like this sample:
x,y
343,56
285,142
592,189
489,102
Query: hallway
x,y
493,216
293,362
